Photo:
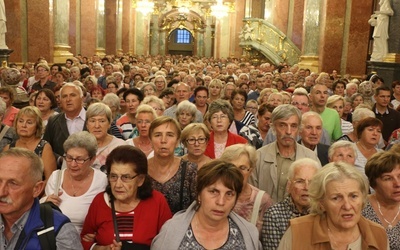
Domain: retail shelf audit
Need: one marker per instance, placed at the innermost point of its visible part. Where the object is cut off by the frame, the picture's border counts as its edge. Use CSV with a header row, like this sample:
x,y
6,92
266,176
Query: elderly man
x,y
261,84
275,158
108,70
296,204
310,133
71,120
21,172
301,101
345,151
330,117
182,93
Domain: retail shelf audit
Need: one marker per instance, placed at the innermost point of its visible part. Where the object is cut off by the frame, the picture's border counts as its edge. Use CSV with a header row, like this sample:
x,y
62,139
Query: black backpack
x,y
47,236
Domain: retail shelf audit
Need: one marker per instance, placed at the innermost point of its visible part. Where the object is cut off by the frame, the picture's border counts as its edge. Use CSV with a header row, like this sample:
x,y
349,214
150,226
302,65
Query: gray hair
x,y
70,84
36,163
3,107
82,139
284,112
232,152
186,106
148,84
361,113
153,99
145,108
351,84
334,171
99,108
342,144
301,163
112,100
220,105
308,114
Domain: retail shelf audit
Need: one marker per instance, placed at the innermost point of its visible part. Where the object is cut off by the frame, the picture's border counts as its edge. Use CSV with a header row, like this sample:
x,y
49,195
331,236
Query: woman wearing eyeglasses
x,y
220,116
195,137
129,213
73,188
252,202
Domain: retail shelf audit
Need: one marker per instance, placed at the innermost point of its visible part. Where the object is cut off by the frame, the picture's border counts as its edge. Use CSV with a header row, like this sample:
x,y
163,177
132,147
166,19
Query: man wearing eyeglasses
x,y
296,204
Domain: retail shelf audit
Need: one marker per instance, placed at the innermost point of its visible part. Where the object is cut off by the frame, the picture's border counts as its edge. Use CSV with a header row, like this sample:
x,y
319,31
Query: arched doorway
x,y
180,42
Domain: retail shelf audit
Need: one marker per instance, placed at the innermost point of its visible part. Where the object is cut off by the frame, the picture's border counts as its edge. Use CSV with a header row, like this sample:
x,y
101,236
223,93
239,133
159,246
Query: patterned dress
x,y
172,188
235,239
393,234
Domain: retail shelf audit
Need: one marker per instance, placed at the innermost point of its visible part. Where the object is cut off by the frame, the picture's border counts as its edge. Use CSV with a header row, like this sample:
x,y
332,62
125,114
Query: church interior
x,y
321,35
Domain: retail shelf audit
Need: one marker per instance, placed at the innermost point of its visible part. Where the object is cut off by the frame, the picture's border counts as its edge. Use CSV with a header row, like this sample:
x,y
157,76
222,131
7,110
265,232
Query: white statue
x,y
3,27
380,21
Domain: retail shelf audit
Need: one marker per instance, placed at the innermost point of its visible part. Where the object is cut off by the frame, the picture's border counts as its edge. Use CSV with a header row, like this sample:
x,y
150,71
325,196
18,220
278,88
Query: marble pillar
x,y
119,26
394,34
209,37
111,27
200,44
311,35
155,36
100,27
162,43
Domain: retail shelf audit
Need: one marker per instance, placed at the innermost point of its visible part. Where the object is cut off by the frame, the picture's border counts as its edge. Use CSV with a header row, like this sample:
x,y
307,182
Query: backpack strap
x,y
47,236
4,131
256,207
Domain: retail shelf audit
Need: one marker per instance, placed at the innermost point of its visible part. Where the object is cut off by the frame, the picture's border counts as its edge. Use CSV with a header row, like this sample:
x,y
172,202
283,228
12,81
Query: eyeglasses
x,y
300,103
216,117
69,158
124,178
193,141
100,121
140,122
252,108
301,182
244,168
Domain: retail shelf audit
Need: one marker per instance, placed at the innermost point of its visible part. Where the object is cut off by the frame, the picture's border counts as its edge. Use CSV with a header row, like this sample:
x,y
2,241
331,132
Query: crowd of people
x,y
179,152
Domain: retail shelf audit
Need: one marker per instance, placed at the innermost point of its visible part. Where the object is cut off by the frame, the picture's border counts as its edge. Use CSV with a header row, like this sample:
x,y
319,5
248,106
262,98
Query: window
x,y
183,36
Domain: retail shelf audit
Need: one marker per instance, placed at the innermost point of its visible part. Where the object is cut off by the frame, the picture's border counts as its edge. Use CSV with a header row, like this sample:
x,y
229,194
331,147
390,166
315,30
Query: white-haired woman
x,y
252,202
156,103
145,115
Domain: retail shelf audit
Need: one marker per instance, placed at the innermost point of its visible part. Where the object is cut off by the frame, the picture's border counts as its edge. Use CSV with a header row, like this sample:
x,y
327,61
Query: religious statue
x,y
3,27
246,33
380,21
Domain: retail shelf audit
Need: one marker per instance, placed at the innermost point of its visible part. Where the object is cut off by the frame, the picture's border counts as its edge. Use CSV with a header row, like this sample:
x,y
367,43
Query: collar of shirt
x,y
386,111
16,230
292,157
293,208
81,115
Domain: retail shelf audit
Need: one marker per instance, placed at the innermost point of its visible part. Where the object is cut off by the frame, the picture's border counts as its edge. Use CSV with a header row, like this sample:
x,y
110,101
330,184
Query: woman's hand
x,y
116,245
89,237
56,200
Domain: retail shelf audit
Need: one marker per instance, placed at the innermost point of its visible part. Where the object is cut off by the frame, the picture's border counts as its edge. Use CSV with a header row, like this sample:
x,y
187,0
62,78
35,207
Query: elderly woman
x,y
73,188
132,97
338,87
358,115
46,102
209,222
336,102
275,99
214,90
167,96
369,131
383,206
238,101
98,123
7,133
185,113
356,99
129,213
252,202
195,137
161,84
90,83
172,176
29,128
113,102
7,94
338,193
264,95
220,116
344,151
97,92
156,103
145,115
148,89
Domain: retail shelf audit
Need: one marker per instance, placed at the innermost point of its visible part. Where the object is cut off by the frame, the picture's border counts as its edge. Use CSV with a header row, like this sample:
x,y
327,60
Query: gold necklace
x,y
390,224
74,191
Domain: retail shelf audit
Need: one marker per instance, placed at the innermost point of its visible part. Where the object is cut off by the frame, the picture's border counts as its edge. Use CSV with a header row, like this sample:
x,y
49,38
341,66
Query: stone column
x,y
61,31
209,37
394,35
162,43
154,36
119,11
100,27
200,44
311,35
